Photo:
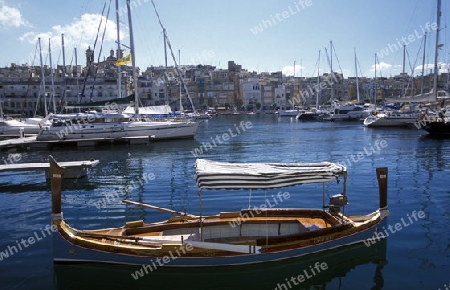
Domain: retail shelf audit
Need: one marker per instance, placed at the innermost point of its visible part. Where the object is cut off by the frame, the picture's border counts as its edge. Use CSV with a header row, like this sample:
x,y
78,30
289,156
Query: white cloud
x,y
80,33
11,17
381,66
429,68
289,70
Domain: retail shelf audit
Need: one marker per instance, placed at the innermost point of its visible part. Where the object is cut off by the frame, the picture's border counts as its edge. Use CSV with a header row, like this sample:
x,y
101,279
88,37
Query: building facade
x,y
24,91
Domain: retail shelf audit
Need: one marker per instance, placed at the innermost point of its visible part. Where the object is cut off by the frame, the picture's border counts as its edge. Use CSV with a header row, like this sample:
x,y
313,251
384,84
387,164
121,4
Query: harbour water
x,y
416,254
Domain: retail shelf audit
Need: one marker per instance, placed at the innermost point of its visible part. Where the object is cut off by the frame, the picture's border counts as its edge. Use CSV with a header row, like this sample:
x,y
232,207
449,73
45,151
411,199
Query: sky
x,y
351,36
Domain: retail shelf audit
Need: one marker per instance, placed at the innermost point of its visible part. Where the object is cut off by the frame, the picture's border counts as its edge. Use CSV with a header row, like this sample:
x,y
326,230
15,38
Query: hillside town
x,y
24,91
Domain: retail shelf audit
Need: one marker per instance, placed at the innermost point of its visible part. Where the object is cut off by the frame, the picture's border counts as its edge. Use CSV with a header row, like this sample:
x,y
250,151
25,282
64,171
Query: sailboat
x,y
392,119
435,95
438,127
405,117
315,114
21,126
117,125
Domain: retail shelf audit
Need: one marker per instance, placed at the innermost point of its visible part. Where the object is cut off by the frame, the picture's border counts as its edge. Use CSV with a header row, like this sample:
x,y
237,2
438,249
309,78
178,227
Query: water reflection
x,y
371,261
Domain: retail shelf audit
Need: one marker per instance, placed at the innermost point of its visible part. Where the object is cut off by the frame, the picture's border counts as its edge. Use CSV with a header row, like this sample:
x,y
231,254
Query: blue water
x,y
162,174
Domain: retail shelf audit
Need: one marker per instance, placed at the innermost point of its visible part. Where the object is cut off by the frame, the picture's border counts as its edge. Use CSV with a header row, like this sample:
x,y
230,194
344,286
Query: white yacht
x,y
90,126
287,113
391,119
116,126
16,127
347,112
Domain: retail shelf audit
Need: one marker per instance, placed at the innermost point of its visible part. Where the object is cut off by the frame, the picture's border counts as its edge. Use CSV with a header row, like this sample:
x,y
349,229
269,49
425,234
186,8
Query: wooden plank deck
x,y
11,143
73,169
31,142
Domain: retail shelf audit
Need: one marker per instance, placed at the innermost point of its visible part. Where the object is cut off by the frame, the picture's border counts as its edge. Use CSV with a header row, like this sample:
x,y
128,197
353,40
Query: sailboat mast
x,y
77,75
64,67
133,61
438,22
63,54
318,81
331,68
52,76
165,62
1,109
423,62
295,87
42,76
119,55
403,71
301,68
294,69
356,73
165,47
404,53
181,101
331,56
375,82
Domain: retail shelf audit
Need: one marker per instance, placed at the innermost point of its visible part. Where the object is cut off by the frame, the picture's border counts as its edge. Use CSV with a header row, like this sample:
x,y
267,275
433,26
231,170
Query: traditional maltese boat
x,y
244,237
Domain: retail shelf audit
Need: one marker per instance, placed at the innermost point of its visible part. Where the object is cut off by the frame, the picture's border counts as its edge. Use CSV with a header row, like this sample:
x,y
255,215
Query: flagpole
x,y
133,61
119,55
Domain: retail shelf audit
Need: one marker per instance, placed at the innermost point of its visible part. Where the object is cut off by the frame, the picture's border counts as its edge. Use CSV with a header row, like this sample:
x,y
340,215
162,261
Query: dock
x,y
73,169
31,142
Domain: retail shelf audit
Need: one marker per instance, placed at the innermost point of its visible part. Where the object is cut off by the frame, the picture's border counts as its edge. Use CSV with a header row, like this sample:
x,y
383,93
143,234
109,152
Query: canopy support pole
x,y
345,189
323,195
201,214
345,182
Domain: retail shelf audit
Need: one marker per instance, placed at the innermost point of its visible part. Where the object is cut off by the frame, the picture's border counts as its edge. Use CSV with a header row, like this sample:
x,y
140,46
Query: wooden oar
x,y
157,208
121,239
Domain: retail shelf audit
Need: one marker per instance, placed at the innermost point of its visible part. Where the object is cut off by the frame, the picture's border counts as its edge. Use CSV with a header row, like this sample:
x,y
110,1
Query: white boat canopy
x,y
224,175
150,110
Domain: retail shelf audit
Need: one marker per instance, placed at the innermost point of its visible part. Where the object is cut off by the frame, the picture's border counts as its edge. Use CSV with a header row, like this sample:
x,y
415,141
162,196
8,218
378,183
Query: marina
x,y
143,167
162,174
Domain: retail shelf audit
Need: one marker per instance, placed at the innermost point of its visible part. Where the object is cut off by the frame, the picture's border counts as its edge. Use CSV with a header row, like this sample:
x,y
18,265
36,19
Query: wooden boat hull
x,y
73,252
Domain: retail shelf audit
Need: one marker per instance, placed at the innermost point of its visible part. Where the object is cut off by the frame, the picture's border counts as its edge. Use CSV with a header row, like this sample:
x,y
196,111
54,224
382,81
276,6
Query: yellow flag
x,y
124,60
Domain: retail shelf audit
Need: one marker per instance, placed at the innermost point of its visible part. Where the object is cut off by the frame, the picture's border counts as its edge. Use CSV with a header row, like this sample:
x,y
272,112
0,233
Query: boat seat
x,y
134,224
116,232
312,224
